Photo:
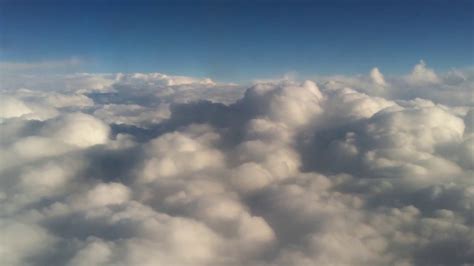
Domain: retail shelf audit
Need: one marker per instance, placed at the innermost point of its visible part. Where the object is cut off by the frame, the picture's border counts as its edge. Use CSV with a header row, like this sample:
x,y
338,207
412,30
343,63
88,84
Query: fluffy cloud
x,y
151,169
377,77
421,75
77,129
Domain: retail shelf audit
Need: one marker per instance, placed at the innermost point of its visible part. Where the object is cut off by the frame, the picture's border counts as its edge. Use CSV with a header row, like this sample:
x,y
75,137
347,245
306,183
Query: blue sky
x,y
238,40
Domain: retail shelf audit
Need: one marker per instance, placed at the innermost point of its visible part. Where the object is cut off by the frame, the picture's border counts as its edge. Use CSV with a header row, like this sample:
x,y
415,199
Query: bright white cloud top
x,y
150,169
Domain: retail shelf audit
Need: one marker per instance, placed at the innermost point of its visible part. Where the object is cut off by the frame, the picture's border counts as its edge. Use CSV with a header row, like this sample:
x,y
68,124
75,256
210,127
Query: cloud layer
x,y
150,169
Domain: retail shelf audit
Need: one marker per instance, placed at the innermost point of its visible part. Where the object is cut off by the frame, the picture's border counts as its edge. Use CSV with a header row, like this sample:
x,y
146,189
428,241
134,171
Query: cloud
x,y
77,129
152,169
421,75
453,88
12,107
377,77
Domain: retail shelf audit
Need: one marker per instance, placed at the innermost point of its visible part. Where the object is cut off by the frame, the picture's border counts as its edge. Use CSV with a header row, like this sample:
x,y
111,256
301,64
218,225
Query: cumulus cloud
x,y
152,169
377,77
421,75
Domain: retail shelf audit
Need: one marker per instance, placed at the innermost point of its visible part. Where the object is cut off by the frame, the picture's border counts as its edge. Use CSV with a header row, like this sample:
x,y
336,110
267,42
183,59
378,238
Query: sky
x,y
235,40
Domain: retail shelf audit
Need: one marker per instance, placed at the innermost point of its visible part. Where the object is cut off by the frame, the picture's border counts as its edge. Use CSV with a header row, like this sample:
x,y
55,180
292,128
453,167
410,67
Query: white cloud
x,y
11,107
77,129
152,169
377,77
421,75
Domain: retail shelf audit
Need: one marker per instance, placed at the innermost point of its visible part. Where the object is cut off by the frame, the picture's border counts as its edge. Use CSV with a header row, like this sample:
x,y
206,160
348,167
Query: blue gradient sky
x,y
239,40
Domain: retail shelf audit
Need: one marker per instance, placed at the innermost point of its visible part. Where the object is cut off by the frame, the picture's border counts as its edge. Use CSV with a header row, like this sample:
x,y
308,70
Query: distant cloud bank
x,y
152,169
